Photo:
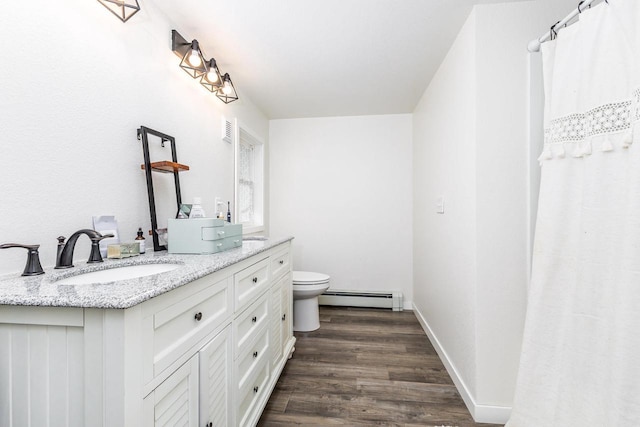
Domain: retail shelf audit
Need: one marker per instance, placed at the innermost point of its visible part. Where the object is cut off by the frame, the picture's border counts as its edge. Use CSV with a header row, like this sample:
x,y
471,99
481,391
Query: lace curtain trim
x,y
578,128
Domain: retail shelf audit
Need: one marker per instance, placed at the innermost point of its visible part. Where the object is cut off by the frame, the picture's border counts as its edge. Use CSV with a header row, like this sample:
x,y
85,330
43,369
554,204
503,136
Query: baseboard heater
x,y
392,300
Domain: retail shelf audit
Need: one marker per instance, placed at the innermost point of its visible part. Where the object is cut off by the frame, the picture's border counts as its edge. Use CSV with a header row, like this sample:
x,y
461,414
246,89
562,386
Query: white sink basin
x,y
118,273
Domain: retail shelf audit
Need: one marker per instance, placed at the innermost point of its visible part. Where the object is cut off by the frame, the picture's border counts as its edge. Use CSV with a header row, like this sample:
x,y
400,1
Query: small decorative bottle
x,y
228,211
140,239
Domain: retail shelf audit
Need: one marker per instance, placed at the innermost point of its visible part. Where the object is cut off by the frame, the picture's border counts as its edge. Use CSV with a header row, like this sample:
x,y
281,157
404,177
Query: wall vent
x,y
392,300
227,130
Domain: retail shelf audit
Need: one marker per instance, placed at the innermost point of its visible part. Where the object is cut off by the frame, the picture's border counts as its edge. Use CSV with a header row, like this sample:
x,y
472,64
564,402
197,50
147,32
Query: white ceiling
x,y
310,58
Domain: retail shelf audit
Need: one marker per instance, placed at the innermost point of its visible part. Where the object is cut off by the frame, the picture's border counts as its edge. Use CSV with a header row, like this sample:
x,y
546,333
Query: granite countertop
x,y
44,291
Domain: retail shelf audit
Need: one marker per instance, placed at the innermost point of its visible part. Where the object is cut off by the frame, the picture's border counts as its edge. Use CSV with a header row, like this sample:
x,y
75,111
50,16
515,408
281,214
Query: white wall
x,y
444,244
471,144
502,199
342,187
76,84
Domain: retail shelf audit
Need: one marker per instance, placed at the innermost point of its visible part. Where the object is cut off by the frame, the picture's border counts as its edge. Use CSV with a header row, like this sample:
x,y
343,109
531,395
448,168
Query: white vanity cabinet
x,y
198,393
186,353
205,354
254,339
281,300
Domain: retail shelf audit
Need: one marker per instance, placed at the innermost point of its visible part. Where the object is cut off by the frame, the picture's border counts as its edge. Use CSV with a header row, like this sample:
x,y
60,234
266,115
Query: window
x,y
249,192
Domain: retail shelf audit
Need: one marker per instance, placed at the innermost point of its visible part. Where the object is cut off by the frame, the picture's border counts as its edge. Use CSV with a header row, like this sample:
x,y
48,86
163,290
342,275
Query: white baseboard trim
x,y
480,413
491,414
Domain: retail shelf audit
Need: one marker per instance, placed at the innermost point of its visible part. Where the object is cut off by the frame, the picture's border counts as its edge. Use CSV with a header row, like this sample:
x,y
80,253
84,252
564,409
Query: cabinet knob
x,y
254,319
198,316
255,280
255,389
281,261
255,354
284,316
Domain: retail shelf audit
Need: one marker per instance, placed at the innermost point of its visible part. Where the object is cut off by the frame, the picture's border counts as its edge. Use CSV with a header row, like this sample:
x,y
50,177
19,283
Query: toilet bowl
x,y
307,286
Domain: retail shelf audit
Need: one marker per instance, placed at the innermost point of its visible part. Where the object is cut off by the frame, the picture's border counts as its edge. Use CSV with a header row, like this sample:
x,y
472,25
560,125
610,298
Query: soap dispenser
x,y
196,209
140,240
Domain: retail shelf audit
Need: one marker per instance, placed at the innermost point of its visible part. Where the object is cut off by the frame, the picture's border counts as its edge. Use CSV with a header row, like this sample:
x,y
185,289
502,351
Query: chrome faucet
x,y
64,257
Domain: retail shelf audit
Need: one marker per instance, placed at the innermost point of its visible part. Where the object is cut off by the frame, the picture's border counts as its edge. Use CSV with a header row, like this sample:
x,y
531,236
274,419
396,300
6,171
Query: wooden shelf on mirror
x,y
167,167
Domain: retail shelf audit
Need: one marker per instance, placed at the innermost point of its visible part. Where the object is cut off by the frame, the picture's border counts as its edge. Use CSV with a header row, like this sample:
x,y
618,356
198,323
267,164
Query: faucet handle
x,y
61,244
95,255
33,267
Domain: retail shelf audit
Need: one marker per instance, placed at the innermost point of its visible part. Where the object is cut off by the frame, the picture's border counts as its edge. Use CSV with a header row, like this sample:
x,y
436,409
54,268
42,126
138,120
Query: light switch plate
x,y
440,205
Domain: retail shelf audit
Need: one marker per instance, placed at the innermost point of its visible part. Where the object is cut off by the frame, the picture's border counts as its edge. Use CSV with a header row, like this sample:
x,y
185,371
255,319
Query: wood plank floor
x,y
366,367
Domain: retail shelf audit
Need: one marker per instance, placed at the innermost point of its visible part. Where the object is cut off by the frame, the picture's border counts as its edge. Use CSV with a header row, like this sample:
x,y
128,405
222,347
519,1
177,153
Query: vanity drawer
x,y
250,324
213,233
250,282
251,357
179,326
226,244
251,393
280,263
232,242
223,232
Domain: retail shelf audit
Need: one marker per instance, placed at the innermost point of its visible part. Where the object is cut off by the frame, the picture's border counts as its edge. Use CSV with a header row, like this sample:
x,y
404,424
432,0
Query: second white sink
x,y
117,273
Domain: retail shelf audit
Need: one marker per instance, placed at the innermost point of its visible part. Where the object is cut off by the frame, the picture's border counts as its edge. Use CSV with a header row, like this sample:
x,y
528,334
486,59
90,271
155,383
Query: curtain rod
x,y
534,45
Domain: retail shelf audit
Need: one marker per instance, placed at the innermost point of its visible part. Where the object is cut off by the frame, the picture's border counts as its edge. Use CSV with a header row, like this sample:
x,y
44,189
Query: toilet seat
x,y
309,278
316,288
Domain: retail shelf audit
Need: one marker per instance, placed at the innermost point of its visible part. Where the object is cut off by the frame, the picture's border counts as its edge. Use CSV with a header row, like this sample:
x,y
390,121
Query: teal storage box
x,y
202,236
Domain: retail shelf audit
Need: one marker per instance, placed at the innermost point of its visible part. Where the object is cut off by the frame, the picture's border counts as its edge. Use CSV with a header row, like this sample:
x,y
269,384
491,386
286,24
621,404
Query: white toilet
x,y
307,286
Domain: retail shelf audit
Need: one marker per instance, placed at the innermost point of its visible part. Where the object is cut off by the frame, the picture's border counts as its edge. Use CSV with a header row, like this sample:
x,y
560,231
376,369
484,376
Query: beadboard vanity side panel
x,y
41,375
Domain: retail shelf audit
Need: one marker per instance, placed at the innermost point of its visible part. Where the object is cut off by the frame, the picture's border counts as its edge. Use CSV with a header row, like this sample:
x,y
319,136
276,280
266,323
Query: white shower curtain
x,y
580,364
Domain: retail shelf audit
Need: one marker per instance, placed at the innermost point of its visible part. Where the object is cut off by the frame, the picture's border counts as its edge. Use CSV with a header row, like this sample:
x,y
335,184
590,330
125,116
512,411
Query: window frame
x,y
246,135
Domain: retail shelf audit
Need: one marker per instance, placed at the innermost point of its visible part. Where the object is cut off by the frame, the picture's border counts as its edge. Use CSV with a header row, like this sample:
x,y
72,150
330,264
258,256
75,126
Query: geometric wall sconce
x,y
212,79
122,9
192,61
227,93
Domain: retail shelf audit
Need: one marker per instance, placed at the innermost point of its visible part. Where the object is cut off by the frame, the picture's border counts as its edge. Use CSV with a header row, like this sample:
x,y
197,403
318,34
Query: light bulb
x,y
226,88
194,58
212,77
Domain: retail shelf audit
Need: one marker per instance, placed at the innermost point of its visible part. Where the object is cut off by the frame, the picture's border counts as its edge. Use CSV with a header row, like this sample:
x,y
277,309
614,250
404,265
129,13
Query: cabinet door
x,y
175,401
275,326
216,365
286,319
281,325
